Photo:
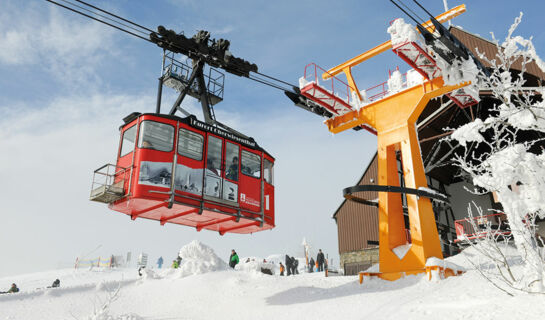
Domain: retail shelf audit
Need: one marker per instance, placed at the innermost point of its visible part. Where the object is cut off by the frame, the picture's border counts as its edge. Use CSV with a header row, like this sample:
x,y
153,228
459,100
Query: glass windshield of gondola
x,y
212,182
251,164
156,136
129,137
268,171
190,144
230,186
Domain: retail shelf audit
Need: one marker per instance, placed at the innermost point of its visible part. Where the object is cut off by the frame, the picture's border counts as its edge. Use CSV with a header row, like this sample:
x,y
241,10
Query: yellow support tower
x,y
394,118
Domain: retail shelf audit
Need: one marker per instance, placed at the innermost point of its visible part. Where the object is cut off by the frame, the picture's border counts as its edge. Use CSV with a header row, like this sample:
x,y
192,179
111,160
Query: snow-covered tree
x,y
504,164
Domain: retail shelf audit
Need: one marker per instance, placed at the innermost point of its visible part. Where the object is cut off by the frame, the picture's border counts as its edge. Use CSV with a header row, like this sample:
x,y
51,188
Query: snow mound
x,y
254,265
198,258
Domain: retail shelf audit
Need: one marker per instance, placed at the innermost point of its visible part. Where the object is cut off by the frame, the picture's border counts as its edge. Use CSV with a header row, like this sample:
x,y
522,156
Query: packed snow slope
x,y
205,288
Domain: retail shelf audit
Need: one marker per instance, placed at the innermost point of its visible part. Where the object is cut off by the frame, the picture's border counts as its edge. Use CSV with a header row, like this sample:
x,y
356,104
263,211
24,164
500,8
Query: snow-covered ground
x,y
210,290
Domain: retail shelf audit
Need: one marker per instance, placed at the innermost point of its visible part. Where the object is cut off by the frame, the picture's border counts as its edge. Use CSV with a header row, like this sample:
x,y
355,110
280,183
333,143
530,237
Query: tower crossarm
x,y
346,67
395,110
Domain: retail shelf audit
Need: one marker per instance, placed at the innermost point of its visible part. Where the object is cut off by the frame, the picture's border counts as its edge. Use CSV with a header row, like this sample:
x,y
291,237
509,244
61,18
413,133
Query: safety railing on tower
x,y
332,94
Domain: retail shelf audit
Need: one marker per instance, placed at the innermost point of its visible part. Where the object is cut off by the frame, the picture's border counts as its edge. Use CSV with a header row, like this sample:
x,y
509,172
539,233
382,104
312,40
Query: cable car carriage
x,y
184,171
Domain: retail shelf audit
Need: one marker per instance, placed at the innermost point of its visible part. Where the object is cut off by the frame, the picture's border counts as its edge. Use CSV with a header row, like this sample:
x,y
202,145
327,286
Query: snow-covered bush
x,y
506,166
198,258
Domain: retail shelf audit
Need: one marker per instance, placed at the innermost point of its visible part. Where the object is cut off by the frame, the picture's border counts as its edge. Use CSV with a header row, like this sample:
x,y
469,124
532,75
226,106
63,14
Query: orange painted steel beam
x,y
392,111
394,117
443,17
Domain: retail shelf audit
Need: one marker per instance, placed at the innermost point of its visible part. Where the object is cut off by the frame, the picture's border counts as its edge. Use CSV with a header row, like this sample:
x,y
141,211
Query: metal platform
x,y
176,75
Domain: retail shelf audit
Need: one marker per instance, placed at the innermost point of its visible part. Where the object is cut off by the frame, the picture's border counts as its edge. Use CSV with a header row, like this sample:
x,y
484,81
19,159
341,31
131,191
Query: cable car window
x,y
231,161
268,171
156,136
190,144
251,164
213,160
129,137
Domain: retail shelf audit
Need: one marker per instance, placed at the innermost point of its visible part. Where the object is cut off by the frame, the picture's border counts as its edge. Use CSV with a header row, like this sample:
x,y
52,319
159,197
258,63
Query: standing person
x,y
160,262
175,264
320,260
281,269
233,259
311,265
294,264
288,265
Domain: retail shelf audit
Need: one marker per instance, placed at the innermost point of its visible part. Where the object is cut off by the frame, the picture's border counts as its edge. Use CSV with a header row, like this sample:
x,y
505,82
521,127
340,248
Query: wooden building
x,y
357,224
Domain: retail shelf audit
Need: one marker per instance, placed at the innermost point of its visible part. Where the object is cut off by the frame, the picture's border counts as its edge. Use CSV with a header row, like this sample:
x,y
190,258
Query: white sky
x,y
66,82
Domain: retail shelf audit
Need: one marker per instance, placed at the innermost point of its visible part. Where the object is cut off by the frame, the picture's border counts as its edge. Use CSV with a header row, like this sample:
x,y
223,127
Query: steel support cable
x,y
105,17
407,7
275,79
268,83
263,81
96,19
121,18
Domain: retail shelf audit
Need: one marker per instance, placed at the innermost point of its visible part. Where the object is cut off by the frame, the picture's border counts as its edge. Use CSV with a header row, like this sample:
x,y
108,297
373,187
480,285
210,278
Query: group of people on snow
x,y
15,289
292,264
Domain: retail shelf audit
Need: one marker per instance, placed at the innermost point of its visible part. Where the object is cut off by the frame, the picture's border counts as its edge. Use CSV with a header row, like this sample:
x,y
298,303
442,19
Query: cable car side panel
x,y
218,182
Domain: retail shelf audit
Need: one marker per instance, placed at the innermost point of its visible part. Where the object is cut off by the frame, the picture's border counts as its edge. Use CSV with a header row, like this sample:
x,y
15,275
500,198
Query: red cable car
x,y
184,171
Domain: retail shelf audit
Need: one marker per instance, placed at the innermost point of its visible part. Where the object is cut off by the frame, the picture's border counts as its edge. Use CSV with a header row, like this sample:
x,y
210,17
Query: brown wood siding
x,y
489,49
358,223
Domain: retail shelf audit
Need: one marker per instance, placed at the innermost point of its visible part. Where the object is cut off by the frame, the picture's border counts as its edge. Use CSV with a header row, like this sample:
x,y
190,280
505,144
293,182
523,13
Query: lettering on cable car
x,y
222,133
247,200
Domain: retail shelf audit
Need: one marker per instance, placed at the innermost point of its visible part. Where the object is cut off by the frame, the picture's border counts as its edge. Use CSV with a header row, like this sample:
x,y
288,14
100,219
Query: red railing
x,y
477,227
337,87
381,90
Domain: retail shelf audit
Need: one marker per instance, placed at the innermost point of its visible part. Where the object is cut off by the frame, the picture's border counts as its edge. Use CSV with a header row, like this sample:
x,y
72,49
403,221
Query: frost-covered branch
x,y
505,165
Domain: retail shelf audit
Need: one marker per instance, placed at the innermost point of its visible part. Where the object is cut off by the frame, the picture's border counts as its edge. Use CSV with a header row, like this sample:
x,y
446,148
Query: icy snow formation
x,y
198,258
395,83
401,32
414,78
469,132
531,118
401,251
254,265
433,261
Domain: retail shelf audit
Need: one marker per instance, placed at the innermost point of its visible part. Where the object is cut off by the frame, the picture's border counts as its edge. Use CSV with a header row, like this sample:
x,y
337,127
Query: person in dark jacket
x,y
233,259
288,265
320,259
56,283
294,265
311,264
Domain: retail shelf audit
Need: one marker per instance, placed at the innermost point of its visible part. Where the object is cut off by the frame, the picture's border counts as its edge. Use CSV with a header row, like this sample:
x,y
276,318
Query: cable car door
x,y
221,173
